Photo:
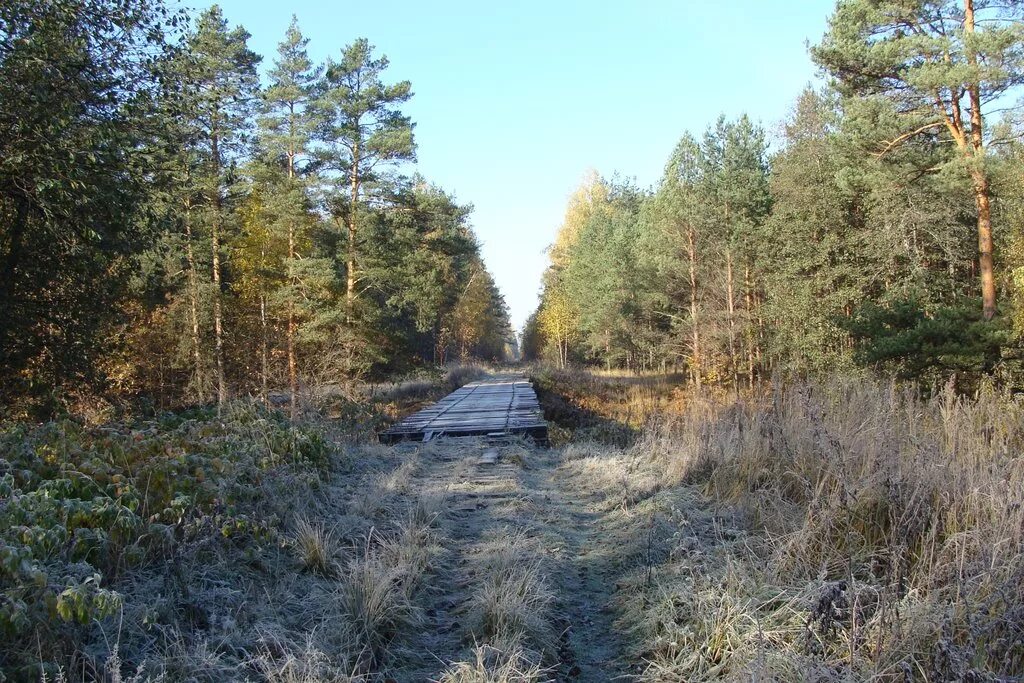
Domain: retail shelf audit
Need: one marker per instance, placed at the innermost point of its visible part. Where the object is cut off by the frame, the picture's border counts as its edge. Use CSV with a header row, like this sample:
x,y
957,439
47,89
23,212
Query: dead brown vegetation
x,y
823,532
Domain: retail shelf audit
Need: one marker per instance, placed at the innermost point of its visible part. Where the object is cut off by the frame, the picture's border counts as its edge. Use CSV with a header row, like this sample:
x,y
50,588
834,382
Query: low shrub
x,y
80,506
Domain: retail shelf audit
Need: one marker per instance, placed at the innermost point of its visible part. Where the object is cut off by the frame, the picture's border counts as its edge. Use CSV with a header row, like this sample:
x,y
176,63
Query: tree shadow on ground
x,y
570,421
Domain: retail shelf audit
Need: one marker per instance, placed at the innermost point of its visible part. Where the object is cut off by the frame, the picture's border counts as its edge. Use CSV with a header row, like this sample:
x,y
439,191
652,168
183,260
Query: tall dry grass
x,y
510,605
508,612
871,534
491,665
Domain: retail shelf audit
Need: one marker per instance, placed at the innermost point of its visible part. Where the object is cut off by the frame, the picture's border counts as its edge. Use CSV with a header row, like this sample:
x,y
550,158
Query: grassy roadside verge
x,y
848,531
192,547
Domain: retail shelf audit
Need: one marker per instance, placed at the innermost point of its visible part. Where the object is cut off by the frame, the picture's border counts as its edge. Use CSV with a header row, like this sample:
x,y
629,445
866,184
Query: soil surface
x,y
520,492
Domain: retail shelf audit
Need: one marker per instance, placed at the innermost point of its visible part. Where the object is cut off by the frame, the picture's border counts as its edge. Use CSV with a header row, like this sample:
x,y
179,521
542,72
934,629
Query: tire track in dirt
x,y
590,647
476,497
488,504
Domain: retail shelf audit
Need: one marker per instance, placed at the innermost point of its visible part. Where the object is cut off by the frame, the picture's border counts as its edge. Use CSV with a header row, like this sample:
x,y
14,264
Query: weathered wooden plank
x,y
502,405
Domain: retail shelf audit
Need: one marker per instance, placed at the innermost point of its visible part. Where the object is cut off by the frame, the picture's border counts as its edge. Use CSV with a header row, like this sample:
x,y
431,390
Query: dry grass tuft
x,y
512,598
426,509
492,665
375,597
411,550
417,390
608,408
460,375
621,477
276,664
316,546
400,478
513,605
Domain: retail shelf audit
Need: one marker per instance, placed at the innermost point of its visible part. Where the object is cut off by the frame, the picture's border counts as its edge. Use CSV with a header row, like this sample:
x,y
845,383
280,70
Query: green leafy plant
x,y
81,506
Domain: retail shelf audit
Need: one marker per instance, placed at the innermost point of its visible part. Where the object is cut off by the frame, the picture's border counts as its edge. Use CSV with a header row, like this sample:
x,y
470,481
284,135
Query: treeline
x,y
866,239
174,229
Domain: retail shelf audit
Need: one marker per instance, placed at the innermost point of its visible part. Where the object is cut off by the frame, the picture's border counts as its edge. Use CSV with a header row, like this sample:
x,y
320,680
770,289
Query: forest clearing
x,y
278,405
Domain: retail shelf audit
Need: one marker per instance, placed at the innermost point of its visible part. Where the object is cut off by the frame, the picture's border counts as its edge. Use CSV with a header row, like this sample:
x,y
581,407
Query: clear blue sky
x,y
515,101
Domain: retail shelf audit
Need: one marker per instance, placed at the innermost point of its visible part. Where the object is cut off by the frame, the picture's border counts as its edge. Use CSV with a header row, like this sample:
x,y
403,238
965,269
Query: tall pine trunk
x,y
985,257
731,291
695,355
980,179
751,332
193,296
293,383
350,282
218,318
264,349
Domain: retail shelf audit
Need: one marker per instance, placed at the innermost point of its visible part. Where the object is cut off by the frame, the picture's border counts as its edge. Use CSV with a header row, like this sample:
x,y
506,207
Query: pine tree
x,y
418,260
364,134
925,59
220,70
286,128
736,183
600,277
681,231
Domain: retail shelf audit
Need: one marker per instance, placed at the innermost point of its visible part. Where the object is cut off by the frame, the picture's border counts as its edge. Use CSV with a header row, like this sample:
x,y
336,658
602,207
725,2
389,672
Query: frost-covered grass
x,y
847,530
840,531
203,548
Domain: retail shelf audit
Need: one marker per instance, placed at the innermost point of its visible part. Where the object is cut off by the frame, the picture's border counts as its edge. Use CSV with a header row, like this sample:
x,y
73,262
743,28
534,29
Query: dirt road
x,y
526,564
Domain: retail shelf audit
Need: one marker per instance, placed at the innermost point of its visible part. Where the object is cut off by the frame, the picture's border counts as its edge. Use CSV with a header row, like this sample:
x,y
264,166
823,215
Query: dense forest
x,y
882,227
176,229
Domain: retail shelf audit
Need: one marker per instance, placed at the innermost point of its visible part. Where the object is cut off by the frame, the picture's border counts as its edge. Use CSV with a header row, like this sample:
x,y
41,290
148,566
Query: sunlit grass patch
x,y
865,533
491,665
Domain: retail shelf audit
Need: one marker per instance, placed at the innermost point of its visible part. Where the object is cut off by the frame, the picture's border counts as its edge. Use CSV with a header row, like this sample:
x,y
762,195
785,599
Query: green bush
x,y
914,341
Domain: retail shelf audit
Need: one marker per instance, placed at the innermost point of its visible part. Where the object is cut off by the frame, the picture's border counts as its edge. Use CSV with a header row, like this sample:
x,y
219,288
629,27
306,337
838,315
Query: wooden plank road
x,y
493,407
